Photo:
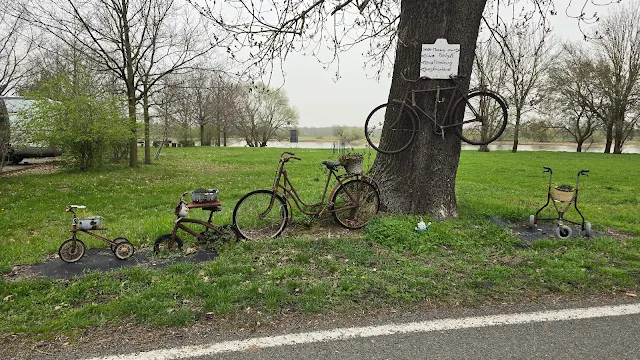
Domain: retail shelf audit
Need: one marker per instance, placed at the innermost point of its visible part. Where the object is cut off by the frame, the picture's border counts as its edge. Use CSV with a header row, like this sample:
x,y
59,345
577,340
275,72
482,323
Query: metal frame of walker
x,y
563,231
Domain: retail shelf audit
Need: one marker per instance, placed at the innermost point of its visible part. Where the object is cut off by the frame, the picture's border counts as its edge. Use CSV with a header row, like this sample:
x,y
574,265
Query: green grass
x,y
465,261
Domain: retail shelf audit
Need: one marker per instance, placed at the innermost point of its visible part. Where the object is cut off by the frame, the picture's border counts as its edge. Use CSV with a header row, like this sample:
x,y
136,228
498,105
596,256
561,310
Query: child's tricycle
x,y
73,249
206,201
565,196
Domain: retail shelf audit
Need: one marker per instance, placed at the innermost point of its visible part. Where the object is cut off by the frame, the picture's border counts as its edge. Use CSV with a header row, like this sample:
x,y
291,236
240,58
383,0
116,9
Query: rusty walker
x,y
565,198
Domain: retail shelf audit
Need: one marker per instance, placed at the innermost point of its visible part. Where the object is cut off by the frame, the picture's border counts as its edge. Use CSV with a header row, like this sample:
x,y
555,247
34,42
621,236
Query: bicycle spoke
x,y
260,215
484,118
355,204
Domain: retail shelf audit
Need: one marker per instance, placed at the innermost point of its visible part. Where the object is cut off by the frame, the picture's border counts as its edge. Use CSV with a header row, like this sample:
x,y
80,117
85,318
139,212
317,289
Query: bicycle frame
x,y
409,98
282,185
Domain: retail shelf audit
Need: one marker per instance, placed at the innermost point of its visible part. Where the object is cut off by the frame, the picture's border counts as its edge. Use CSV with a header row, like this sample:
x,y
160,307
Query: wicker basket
x,y
353,166
563,195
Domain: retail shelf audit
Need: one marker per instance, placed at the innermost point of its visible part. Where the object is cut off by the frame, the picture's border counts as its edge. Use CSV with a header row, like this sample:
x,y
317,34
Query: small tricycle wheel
x,y
124,250
71,251
163,244
532,221
587,229
118,241
563,231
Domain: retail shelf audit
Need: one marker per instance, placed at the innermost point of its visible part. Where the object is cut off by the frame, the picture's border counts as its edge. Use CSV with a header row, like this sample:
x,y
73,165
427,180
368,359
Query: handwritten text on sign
x,y
439,60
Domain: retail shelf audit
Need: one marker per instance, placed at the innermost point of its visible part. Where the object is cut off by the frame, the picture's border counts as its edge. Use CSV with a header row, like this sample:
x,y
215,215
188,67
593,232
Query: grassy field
x,y
466,261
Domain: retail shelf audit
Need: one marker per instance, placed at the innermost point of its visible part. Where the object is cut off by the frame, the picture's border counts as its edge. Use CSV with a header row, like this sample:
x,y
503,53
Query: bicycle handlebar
x,y
546,169
291,156
584,172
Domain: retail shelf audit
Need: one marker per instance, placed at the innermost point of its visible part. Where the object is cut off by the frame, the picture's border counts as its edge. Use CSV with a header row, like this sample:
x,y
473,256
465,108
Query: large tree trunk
x,y
147,124
609,135
618,133
421,180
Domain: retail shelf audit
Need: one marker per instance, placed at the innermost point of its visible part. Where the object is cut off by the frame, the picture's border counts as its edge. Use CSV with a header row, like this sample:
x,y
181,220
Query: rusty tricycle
x,y
205,200
562,197
73,249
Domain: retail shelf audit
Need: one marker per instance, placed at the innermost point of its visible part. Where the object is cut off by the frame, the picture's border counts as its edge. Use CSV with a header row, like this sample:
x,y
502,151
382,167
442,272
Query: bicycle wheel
x,y
483,119
364,196
399,131
71,251
254,219
162,244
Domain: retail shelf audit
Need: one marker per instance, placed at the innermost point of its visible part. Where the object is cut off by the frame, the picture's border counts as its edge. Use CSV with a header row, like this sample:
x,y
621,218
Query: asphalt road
x,y
603,338
588,330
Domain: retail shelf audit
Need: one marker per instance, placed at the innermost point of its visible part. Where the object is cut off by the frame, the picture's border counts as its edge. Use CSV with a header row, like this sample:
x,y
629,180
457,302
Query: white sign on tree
x,y
439,60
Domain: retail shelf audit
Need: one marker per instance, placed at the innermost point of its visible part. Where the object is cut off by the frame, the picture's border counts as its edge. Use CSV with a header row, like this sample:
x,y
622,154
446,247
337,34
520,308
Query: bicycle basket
x,y
91,223
353,166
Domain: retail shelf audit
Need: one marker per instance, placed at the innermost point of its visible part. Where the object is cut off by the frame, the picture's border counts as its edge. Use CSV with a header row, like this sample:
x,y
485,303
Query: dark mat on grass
x,y
104,260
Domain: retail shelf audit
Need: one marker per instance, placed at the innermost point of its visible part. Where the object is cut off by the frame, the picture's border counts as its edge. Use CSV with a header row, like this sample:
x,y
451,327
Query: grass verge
x,y
466,261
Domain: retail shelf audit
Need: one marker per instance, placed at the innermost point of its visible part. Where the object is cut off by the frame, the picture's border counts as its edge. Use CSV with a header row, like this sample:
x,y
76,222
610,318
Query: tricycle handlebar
x,y
71,207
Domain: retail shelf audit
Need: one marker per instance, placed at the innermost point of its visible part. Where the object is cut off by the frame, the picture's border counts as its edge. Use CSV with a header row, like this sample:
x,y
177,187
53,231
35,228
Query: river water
x,y
599,148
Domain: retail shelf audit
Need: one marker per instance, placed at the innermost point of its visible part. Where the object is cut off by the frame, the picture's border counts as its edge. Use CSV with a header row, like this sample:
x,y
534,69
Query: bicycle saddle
x,y
331,164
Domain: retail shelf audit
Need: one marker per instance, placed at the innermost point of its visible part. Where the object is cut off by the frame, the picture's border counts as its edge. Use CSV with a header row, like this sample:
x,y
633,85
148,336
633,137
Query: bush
x,y
86,124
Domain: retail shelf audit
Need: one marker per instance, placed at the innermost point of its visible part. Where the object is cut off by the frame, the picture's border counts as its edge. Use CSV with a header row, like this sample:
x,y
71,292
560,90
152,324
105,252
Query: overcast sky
x,y
321,101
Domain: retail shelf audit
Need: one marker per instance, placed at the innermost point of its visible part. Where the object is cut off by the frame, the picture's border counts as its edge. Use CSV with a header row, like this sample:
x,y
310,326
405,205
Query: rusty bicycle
x,y
261,214
483,113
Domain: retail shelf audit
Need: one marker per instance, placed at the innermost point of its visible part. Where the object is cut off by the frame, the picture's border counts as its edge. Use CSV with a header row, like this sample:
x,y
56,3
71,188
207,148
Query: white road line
x,y
382,330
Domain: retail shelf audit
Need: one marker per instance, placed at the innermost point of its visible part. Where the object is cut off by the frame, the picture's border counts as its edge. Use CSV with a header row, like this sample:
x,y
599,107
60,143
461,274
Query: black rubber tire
x,y
124,250
369,204
248,219
162,244
117,241
71,252
398,136
490,106
563,231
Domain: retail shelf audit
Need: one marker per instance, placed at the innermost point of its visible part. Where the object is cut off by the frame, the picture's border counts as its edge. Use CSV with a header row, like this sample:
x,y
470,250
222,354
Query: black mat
x,y
104,260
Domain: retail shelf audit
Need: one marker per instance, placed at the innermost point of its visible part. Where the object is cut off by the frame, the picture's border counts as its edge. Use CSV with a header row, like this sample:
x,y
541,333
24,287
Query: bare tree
x,y
573,92
489,70
527,52
619,55
264,112
15,46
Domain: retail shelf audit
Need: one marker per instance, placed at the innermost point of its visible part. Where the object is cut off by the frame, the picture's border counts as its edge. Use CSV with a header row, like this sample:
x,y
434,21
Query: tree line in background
x,y
165,70
573,91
